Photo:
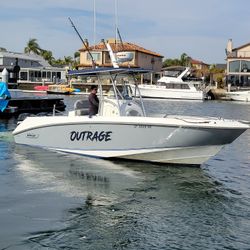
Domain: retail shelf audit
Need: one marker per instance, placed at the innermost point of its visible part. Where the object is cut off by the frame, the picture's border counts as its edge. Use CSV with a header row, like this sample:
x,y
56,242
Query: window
x,y
96,56
107,58
184,86
245,66
234,66
23,76
167,85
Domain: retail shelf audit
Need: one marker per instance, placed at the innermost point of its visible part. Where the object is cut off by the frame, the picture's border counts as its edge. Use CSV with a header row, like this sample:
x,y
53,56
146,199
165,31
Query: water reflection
x,y
133,205
72,175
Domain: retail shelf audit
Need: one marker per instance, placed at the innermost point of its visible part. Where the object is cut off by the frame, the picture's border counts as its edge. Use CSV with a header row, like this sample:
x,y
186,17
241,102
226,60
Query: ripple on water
x,y
56,201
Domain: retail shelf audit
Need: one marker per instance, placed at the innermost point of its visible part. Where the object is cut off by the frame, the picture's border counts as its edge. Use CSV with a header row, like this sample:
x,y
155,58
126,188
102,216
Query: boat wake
x,y
6,136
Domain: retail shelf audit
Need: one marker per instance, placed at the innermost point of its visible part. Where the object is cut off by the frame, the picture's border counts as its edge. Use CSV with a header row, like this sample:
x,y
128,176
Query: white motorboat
x,y
174,84
242,96
121,128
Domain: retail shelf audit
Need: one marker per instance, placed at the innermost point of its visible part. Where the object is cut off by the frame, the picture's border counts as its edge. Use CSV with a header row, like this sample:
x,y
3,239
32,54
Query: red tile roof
x,y
116,47
194,61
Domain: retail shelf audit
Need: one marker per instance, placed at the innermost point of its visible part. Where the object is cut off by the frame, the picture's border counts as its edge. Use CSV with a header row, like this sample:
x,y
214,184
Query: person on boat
x,y
93,101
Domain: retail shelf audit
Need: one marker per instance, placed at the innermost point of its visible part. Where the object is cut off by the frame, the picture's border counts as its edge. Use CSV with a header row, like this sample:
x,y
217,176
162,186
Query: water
x,y
50,200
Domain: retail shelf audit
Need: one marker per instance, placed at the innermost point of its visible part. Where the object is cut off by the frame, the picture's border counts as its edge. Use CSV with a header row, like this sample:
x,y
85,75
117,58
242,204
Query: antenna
x,y
116,21
84,43
94,22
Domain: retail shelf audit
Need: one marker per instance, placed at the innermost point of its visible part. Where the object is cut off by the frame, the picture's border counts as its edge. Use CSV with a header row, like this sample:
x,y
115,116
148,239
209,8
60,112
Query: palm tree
x,y
184,59
58,62
48,56
33,46
68,60
76,54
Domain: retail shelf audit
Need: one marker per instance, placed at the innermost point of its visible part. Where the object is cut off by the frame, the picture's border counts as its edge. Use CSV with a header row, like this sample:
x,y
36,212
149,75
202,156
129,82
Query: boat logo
x,y
32,136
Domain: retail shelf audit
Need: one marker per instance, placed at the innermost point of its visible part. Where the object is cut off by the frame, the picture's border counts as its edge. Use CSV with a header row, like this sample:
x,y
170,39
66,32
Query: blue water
x,y
50,200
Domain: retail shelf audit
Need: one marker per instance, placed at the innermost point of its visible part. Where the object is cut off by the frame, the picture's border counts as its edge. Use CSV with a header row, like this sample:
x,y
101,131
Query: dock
x,y
32,105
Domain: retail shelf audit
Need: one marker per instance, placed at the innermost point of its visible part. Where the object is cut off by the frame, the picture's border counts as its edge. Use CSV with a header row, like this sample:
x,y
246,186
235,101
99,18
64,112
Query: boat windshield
x,y
172,73
176,85
118,86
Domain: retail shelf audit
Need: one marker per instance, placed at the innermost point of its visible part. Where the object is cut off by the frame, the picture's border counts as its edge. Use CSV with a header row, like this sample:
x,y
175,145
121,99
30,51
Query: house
x,y
201,69
29,68
238,64
142,58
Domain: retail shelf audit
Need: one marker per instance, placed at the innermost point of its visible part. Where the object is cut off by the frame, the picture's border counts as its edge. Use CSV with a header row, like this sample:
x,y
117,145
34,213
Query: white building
x,y
238,64
33,68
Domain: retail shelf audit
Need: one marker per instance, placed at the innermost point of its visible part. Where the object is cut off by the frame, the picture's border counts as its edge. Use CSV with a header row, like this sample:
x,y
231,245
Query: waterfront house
x,y
238,64
142,57
199,67
29,68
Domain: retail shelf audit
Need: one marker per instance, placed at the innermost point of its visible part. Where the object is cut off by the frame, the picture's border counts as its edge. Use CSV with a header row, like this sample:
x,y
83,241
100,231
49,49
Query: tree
x,y
48,56
3,49
171,62
33,46
76,54
183,61
58,62
68,60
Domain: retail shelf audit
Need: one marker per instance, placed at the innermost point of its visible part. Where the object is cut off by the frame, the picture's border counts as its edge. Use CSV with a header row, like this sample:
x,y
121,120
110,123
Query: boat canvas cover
x,y
4,96
103,70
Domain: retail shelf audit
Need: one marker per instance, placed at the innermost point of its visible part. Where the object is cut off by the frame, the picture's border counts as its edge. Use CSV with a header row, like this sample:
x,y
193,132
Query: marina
x,y
164,139
98,204
135,136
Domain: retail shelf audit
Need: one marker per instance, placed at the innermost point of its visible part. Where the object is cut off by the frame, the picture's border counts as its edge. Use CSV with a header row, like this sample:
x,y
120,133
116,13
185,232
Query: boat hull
x,y
153,91
241,96
163,140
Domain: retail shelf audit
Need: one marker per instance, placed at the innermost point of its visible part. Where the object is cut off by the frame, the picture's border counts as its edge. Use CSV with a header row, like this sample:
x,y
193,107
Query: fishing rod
x,y
84,43
118,32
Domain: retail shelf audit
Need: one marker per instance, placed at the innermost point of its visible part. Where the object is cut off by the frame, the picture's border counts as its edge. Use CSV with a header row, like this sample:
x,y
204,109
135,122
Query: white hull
x,y
154,91
178,140
242,96
192,155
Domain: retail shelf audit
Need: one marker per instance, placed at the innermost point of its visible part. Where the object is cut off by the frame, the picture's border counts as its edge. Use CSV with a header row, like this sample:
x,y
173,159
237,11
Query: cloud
x,y
199,28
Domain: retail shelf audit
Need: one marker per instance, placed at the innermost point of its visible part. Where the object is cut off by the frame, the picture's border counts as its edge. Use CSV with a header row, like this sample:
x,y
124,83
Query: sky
x,y
199,28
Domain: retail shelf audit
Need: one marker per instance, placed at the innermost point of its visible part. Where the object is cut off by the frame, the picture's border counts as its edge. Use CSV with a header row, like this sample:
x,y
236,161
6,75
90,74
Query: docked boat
x,y
41,88
241,96
176,83
60,89
121,129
